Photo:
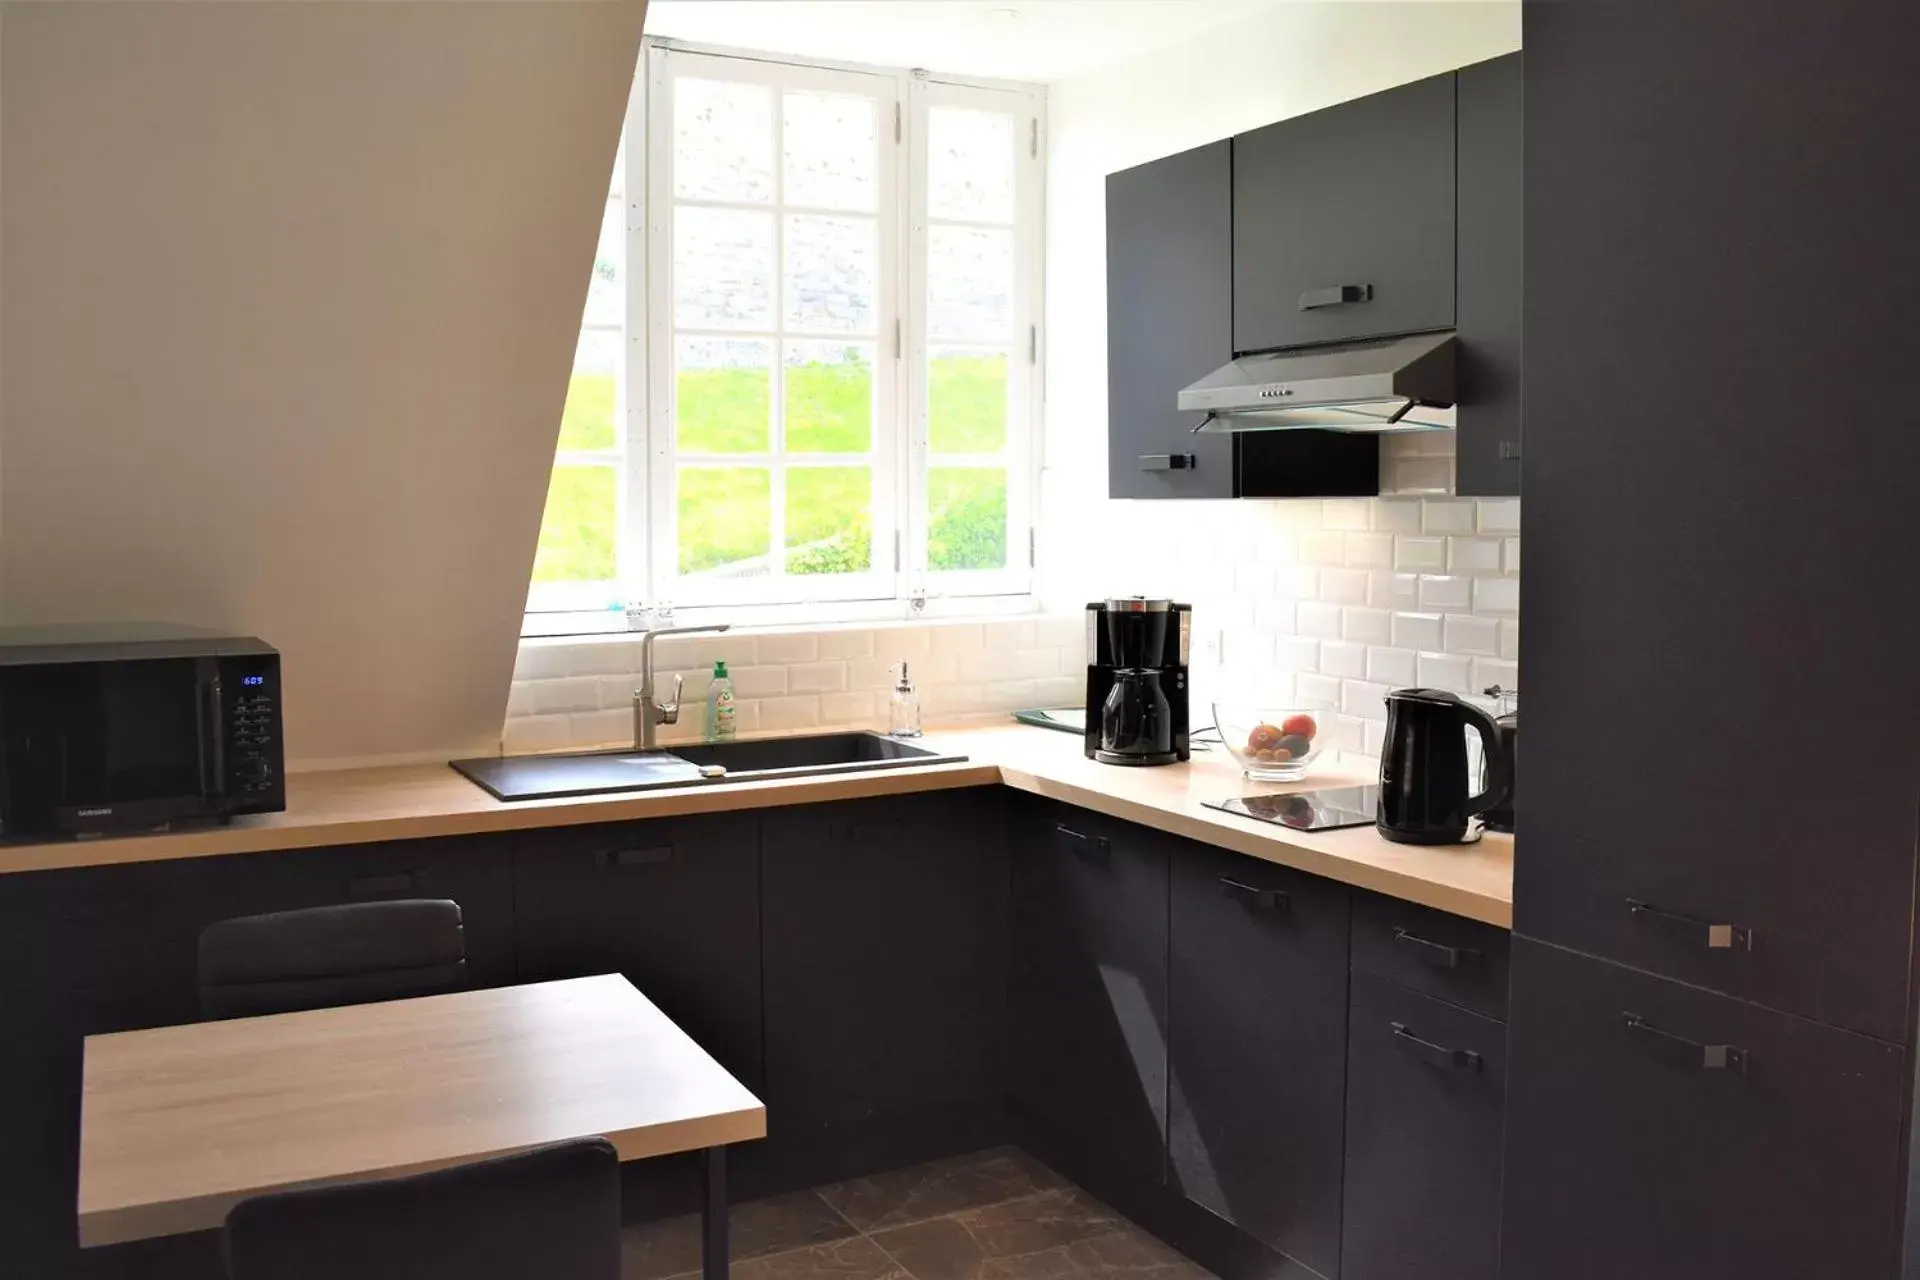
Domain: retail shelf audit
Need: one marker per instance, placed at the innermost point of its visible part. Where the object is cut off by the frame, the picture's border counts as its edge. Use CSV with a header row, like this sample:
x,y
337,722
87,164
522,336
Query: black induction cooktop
x,y
1326,810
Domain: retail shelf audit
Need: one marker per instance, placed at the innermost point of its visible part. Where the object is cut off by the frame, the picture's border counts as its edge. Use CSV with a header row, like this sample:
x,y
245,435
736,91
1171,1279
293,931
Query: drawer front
x,y
1659,1131
1426,1088
1461,961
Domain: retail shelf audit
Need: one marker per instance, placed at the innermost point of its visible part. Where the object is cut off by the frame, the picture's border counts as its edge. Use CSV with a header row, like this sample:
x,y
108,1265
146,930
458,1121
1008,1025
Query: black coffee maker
x,y
1424,796
1137,681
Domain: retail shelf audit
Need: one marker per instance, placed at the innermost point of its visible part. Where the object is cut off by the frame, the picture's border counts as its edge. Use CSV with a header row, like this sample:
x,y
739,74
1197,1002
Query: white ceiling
x,y
1047,40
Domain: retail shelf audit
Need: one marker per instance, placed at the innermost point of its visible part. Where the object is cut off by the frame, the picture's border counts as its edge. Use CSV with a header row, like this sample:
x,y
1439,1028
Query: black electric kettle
x,y
1423,769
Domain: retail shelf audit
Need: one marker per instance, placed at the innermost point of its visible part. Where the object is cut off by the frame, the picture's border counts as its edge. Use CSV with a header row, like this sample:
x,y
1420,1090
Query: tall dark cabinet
x,y
1489,240
1710,1066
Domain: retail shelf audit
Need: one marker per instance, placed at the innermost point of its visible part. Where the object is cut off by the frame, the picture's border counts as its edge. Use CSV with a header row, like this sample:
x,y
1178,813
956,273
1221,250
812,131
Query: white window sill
x,y
812,617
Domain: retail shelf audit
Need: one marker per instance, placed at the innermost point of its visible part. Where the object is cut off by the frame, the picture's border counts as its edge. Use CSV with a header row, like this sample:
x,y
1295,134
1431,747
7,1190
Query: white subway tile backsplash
x,y
1296,653
817,677
1492,671
1500,515
1311,690
778,649
1250,577
780,714
1061,691
604,728
1408,476
1369,550
1496,595
1417,631
846,644
1473,555
525,735
1248,649
1374,626
1344,658
1447,515
569,693
1395,516
1345,733
758,682
1343,586
1322,547
1345,513
1445,671
1468,634
1373,739
1510,639
956,639
1362,698
1008,635
1315,618
1065,632
1440,593
876,673
1512,558
1395,667
1274,615
1415,553
1393,590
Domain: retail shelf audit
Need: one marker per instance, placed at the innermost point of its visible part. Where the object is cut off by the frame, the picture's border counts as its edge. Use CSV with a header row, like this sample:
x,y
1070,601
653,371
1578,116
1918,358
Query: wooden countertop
x,y
417,801
178,1124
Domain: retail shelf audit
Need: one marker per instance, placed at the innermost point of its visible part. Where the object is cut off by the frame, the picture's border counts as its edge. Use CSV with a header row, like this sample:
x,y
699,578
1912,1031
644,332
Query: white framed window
x,y
806,386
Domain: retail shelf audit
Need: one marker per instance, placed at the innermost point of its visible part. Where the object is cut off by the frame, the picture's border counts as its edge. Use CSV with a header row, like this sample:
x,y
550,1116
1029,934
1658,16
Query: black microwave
x,y
136,727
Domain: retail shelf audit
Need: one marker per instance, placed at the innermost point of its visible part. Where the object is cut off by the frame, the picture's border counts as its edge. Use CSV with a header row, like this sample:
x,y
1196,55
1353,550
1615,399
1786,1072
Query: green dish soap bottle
x,y
720,711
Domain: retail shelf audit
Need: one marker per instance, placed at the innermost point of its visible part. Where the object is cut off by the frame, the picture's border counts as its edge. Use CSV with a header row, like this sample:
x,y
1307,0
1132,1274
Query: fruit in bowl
x,y
1271,744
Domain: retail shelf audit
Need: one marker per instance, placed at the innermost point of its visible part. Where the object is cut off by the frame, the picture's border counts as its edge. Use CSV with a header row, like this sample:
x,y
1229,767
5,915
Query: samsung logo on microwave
x,y
94,813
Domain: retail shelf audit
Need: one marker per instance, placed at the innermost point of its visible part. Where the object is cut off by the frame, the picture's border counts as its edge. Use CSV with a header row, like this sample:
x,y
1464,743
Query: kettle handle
x,y
1499,768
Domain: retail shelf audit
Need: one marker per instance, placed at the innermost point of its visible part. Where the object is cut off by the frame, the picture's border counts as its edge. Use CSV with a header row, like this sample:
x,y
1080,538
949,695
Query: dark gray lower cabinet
x,y
1426,1085
884,945
1087,990
1259,1038
674,904
1631,1153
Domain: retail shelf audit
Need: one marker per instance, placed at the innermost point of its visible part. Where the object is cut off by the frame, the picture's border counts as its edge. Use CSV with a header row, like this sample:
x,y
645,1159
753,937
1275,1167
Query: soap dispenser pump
x,y
905,714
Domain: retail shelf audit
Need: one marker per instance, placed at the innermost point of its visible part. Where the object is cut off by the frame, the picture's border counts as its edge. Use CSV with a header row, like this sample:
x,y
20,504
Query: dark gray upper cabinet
x,y
1087,992
1626,1155
1169,321
1359,195
1708,566
1259,1063
1426,1086
1490,198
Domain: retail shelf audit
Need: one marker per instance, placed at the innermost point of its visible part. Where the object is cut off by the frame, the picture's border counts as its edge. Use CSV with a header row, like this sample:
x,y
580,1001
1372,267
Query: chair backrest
x,y
325,956
551,1213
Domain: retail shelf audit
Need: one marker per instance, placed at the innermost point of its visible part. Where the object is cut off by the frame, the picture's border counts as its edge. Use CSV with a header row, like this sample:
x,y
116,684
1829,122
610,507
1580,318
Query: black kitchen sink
x,y
588,773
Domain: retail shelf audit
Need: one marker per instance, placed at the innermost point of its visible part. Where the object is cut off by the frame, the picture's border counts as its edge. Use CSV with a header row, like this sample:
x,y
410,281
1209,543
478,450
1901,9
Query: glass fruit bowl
x,y
1272,744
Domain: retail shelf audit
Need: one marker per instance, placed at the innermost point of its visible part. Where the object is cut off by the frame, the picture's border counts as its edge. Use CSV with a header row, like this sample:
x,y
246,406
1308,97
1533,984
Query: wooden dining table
x,y
179,1124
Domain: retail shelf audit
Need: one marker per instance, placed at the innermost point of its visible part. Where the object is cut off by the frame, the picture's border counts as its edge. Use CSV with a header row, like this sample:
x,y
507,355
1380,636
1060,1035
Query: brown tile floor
x,y
994,1215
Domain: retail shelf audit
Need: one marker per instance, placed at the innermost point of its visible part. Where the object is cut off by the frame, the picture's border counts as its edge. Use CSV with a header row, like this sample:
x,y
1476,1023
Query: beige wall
x,y
291,298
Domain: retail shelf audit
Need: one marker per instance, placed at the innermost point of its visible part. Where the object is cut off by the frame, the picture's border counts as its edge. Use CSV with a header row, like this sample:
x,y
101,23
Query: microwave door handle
x,y
213,738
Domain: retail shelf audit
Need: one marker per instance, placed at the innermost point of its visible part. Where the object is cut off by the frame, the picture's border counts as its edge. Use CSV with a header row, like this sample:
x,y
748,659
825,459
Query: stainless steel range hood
x,y
1383,385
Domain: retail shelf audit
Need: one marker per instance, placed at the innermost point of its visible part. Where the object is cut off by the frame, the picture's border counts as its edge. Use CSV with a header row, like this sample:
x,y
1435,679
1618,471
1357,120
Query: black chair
x,y
326,956
552,1213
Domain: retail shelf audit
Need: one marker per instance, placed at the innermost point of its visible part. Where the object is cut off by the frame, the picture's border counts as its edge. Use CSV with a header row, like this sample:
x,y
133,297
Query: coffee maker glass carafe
x,y
1136,717
1425,794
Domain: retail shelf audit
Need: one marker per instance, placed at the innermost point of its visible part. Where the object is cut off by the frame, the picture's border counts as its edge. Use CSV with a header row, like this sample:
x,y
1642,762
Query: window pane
x,y
606,288
724,518
723,395
967,401
587,422
970,283
829,520
578,533
966,518
832,271
828,154
722,140
970,165
829,394
722,268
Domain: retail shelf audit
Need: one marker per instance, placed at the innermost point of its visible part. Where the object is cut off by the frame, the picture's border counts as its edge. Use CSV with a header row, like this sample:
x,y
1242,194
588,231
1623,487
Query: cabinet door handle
x,y
1438,1054
1685,1052
1168,462
647,857
1439,955
1334,295
1095,849
1254,896
1715,937
377,886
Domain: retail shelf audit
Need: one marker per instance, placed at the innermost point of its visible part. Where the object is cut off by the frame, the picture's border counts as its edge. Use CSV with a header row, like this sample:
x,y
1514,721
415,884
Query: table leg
x,y
713,1214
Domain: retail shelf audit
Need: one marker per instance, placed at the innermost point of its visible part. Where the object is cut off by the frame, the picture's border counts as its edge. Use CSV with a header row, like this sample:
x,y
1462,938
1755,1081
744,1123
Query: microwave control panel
x,y
250,700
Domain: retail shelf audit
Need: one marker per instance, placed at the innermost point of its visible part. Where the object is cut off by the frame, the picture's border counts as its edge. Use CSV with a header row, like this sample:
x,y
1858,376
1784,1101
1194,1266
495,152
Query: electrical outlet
x,y
1212,646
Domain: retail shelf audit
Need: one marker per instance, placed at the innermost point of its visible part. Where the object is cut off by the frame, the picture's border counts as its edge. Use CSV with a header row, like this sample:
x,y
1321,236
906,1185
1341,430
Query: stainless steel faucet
x,y
648,712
